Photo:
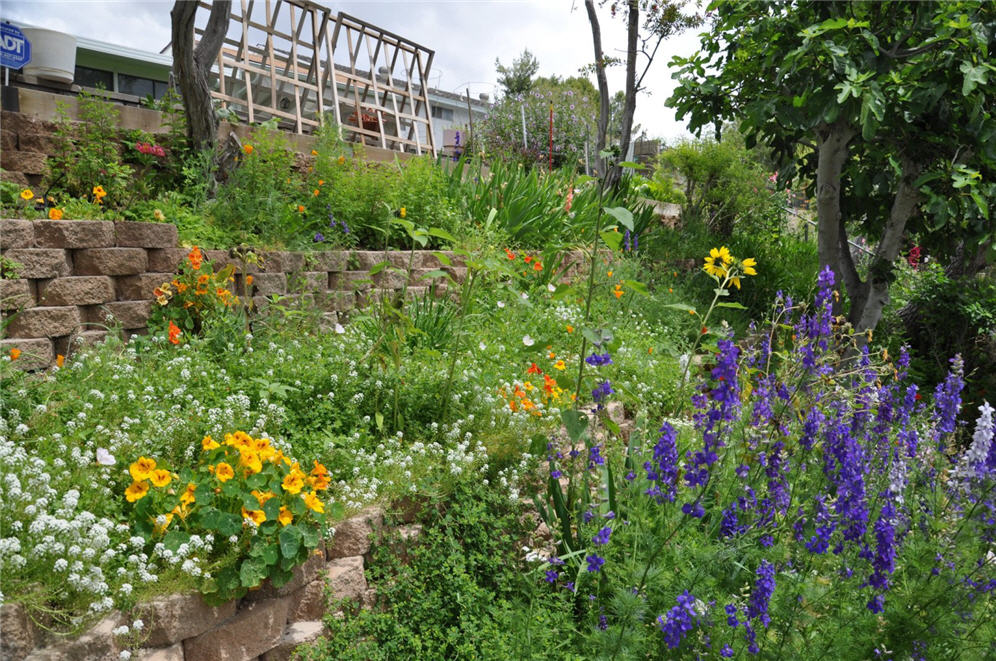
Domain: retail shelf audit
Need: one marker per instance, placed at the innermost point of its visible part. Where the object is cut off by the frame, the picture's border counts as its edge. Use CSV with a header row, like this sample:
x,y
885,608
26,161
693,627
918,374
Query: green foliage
x,y
260,198
457,591
517,78
725,186
88,153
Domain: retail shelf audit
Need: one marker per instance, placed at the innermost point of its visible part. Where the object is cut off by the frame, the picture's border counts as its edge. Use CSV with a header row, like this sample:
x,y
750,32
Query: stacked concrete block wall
x,y
267,624
77,279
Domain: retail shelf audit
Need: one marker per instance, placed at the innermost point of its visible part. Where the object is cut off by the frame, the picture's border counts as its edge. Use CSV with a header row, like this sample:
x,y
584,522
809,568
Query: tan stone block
x,y
141,286
16,178
28,162
77,290
255,630
172,653
364,260
74,234
307,603
352,536
145,235
346,578
299,633
389,279
97,643
128,314
326,260
221,258
36,353
110,261
303,574
40,262
166,260
18,635
264,284
352,281
47,321
15,294
339,301
38,140
309,281
282,261
16,233
173,618
8,140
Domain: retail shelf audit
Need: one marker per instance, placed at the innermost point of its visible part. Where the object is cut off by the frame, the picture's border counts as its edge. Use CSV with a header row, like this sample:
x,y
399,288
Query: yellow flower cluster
x,y
239,457
721,264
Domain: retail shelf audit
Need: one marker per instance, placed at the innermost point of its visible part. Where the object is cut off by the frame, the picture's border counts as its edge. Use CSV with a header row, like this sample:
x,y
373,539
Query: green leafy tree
x,y
518,78
893,105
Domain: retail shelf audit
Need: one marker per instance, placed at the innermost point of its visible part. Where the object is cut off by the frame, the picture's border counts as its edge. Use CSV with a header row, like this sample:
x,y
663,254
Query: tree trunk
x,y
865,316
603,87
629,105
832,154
191,66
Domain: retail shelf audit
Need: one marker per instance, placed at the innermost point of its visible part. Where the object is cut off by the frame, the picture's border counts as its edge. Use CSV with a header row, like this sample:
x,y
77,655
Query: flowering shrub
x,y
243,489
814,507
196,295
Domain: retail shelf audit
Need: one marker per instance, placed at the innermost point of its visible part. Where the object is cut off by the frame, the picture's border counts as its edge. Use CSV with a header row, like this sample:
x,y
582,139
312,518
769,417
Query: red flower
x,y
533,369
174,333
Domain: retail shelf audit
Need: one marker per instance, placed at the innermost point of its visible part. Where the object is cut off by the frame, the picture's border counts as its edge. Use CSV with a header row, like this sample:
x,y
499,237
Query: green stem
x,y
591,292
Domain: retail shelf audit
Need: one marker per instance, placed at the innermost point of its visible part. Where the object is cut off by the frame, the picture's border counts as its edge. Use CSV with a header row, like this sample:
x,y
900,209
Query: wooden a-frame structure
x,y
294,61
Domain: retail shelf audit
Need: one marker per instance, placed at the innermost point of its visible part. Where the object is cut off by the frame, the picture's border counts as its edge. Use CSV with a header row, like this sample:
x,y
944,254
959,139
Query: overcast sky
x,y
467,36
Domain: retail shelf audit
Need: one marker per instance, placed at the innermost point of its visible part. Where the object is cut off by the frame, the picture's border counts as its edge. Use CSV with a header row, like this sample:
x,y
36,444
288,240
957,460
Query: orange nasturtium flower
x,y
248,149
537,266
142,469
54,213
136,491
509,253
570,329
26,194
224,472
300,208
60,360
315,192
314,153
249,279
99,192
15,353
196,257
174,333
341,160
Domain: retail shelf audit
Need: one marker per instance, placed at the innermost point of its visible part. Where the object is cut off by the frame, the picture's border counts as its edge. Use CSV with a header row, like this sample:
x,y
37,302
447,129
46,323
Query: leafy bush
x,y
88,154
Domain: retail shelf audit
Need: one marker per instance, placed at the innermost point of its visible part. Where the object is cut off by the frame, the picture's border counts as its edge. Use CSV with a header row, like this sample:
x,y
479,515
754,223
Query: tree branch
x,y
603,86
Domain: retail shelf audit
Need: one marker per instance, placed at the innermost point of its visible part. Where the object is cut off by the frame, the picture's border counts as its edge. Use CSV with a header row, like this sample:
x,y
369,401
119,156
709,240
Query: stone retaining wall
x,y
79,277
267,624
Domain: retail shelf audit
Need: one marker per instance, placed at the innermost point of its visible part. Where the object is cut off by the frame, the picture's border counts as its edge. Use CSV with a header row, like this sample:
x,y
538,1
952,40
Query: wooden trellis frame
x,y
294,61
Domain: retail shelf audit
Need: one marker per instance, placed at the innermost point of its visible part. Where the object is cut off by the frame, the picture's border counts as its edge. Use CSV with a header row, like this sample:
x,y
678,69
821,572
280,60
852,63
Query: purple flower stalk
x,y
678,621
760,596
947,401
662,470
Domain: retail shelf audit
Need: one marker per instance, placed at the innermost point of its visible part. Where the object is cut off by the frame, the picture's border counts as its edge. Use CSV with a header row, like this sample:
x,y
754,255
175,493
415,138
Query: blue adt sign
x,y
15,49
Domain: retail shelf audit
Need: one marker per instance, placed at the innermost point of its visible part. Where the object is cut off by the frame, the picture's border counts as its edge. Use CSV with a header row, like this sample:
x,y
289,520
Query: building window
x,y
136,85
442,113
87,77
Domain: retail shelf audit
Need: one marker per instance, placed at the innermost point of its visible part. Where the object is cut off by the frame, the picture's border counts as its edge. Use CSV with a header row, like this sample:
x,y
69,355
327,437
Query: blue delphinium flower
x,y
602,537
731,615
726,652
595,457
884,560
602,392
551,576
598,359
595,562
319,237
947,401
678,621
662,470
724,408
760,596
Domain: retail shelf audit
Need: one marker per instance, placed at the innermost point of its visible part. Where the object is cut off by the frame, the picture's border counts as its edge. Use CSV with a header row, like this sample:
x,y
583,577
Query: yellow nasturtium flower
x,y
314,503
160,478
224,472
137,490
208,443
262,496
285,516
142,469
256,516
187,497
293,481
